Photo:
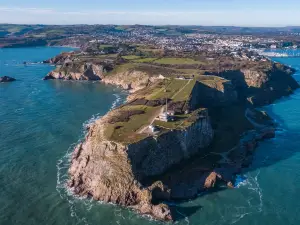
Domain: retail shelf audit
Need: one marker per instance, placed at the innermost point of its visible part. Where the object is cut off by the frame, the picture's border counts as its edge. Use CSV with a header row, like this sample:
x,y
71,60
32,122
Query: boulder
x,y
6,79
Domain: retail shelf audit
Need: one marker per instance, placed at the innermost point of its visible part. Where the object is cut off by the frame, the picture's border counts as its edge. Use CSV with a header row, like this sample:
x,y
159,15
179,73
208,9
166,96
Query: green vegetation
x,y
145,60
94,58
175,89
135,127
127,132
128,123
177,61
105,46
55,31
131,57
122,68
151,50
191,71
212,81
108,56
185,93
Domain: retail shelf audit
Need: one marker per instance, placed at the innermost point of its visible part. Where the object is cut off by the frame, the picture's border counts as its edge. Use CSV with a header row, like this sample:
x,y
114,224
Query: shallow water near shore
x,y
41,121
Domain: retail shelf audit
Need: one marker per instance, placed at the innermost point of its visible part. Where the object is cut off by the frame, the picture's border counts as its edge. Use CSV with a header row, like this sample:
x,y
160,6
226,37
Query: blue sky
x,y
154,12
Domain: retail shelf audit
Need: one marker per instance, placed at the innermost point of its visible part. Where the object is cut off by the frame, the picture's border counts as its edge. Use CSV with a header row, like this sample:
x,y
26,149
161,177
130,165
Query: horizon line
x,y
152,25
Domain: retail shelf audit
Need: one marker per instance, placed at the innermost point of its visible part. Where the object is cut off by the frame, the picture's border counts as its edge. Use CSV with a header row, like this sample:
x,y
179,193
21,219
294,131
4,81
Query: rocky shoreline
x,y
179,163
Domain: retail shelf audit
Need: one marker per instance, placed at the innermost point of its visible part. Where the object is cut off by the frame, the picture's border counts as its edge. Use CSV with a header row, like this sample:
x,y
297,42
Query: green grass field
x,y
175,89
105,46
177,61
131,57
127,132
145,60
122,68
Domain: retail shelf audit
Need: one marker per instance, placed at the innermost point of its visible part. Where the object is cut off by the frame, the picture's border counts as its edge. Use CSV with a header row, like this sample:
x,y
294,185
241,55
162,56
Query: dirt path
x,y
181,89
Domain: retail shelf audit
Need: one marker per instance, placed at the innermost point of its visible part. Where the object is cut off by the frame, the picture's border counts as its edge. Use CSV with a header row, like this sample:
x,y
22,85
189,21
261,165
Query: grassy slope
x,y
128,132
176,61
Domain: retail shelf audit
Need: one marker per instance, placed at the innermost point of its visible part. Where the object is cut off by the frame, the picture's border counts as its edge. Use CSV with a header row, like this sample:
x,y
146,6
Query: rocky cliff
x,y
262,86
123,161
131,80
69,68
114,172
73,71
213,91
59,59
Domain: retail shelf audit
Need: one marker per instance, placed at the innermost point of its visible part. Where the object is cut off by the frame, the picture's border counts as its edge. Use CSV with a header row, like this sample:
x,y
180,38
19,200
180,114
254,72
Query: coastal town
x,y
175,38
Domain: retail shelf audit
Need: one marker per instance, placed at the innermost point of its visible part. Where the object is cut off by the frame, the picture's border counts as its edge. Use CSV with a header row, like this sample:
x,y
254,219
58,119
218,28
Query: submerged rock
x,y
6,79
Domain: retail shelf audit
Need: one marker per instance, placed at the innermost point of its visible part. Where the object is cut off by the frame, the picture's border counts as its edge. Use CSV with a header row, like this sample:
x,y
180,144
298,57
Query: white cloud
x,y
93,12
206,17
27,10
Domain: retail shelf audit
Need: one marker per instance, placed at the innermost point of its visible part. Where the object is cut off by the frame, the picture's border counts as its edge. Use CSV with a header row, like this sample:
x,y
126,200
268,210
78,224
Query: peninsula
x,y
188,125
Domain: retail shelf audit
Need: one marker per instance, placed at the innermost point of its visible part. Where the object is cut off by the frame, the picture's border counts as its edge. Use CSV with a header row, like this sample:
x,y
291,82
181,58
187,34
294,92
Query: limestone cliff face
x,y
261,87
132,80
255,78
59,59
271,85
169,149
113,172
87,71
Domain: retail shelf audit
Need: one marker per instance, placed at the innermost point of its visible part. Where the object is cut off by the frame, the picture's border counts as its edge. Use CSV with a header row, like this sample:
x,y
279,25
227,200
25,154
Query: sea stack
x,y
6,79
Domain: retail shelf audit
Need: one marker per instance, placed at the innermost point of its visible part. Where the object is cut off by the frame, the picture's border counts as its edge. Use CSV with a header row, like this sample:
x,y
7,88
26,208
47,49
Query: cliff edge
x,y
113,171
177,135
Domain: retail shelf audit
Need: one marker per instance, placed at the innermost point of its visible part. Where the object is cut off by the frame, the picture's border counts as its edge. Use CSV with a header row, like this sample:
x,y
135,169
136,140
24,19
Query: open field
x,y
173,89
177,61
131,57
127,131
145,60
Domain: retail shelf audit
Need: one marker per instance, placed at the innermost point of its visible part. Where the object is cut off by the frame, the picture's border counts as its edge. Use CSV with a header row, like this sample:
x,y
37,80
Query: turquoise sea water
x,y
40,121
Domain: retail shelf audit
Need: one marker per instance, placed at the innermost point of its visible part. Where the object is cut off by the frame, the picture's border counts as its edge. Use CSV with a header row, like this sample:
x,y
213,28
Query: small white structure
x,y
164,117
161,77
171,113
152,128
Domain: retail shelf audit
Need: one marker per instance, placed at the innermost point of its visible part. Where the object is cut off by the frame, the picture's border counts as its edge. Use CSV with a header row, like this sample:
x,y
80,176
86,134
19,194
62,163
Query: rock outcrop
x,y
73,71
149,168
262,87
59,59
114,172
6,79
131,80
213,92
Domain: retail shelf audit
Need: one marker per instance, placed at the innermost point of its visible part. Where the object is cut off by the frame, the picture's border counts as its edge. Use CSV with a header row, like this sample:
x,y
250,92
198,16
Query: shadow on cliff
x,y
275,83
229,123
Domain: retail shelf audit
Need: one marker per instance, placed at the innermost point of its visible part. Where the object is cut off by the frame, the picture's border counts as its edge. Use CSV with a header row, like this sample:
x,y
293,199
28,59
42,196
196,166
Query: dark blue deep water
x,y
40,121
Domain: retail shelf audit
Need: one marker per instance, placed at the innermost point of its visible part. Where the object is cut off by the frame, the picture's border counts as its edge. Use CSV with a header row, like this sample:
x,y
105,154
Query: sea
x,y
42,121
